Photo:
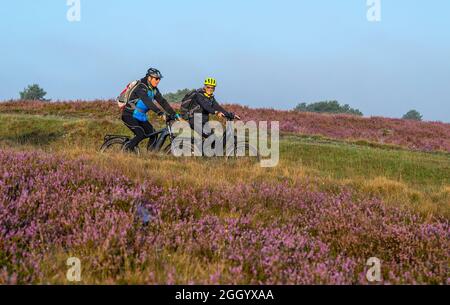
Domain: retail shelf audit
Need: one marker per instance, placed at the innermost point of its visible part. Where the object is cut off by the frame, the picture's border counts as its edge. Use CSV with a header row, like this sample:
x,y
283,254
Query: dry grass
x,y
412,179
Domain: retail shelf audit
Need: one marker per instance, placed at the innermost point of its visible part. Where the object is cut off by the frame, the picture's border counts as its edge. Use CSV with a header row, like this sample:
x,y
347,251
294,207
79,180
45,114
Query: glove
x,y
174,117
230,115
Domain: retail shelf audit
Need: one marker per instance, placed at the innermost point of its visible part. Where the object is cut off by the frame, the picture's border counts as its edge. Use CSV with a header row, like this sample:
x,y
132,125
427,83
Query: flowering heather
x,y
257,233
425,136
94,109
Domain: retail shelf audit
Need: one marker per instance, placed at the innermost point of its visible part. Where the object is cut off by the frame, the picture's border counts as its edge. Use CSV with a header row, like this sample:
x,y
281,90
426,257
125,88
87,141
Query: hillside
x,y
346,189
424,136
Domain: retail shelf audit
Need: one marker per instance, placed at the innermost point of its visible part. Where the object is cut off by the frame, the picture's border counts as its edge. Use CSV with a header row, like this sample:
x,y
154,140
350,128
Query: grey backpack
x,y
124,98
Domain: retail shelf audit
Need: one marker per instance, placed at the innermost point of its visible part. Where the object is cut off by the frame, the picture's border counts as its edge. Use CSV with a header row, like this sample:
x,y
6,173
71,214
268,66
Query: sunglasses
x,y
210,87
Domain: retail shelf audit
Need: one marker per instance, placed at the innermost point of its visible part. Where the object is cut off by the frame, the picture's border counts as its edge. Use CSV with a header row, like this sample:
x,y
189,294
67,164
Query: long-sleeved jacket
x,y
204,104
145,95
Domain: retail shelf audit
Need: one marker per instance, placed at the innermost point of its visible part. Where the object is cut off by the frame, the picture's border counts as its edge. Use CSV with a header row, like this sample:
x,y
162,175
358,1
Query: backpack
x,y
124,98
187,105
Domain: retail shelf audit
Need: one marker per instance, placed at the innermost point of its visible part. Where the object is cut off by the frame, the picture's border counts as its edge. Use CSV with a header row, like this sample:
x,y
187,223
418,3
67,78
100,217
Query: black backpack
x,y
188,105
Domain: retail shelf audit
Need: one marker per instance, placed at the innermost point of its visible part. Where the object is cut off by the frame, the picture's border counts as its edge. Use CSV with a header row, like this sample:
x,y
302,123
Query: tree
x,y
413,115
327,107
176,97
33,92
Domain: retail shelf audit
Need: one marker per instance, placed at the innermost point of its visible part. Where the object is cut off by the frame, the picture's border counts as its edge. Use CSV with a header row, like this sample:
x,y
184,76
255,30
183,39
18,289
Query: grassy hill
x,y
346,189
422,136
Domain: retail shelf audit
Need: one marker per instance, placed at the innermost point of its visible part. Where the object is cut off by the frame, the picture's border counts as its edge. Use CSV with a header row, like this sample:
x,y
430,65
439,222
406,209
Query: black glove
x,y
230,115
173,117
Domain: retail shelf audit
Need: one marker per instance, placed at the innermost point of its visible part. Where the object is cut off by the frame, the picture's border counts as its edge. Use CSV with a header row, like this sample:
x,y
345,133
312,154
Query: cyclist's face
x,y
154,81
210,89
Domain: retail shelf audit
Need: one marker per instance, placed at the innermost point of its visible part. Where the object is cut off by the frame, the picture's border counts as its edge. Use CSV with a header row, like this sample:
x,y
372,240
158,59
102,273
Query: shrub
x,y
413,115
176,97
327,107
33,92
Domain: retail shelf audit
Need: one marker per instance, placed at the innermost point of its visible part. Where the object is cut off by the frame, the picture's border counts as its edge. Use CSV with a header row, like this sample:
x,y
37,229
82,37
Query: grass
x,y
411,179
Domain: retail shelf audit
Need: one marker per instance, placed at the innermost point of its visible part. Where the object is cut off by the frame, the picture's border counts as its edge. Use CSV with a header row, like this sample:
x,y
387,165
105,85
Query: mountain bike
x,y
239,149
156,140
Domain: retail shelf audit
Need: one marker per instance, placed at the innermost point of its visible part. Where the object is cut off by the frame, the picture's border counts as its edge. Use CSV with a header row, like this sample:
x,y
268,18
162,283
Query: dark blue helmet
x,y
154,73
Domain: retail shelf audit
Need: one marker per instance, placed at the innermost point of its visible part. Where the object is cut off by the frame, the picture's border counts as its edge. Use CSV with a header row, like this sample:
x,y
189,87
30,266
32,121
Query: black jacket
x,y
205,105
141,92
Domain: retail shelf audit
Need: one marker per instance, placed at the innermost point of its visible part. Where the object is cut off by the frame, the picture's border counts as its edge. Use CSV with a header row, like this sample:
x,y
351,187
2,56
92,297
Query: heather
x,y
423,136
252,232
329,205
417,180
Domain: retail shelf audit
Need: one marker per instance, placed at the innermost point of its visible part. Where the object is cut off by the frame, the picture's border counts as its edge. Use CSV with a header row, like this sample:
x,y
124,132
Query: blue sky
x,y
263,53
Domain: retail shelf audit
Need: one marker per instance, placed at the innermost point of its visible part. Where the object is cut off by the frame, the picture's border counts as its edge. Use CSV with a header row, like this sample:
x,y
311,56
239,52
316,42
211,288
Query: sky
x,y
263,53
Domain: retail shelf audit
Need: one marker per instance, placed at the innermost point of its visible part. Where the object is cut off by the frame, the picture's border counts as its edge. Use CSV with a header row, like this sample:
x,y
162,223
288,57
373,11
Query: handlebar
x,y
170,118
232,117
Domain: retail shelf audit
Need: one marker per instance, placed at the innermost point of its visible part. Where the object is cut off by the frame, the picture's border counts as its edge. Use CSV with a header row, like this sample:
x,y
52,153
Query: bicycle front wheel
x,y
243,151
182,147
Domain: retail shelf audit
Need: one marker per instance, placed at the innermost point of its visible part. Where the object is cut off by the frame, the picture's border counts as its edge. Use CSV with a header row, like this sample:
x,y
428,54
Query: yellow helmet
x,y
210,82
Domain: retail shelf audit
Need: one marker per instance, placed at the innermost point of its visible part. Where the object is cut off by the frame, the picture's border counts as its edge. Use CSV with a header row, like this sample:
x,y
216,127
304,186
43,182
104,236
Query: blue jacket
x,y
146,96
140,113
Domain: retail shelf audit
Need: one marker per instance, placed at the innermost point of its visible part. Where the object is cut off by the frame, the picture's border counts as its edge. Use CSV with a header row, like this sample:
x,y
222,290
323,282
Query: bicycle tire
x,y
192,148
117,142
232,155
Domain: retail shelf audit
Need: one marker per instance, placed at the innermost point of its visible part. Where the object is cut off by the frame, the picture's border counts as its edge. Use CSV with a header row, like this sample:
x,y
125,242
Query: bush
x,y
176,97
327,107
33,92
413,115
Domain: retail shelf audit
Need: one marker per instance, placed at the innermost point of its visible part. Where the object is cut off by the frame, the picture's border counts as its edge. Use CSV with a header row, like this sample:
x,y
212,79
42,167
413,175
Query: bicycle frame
x,y
161,136
228,132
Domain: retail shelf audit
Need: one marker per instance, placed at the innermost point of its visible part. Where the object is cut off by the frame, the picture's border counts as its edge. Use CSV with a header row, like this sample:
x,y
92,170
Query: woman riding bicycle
x,y
141,101
202,101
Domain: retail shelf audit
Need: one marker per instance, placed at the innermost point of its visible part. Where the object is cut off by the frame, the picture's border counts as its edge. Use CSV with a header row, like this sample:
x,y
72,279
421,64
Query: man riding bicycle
x,y
202,101
141,101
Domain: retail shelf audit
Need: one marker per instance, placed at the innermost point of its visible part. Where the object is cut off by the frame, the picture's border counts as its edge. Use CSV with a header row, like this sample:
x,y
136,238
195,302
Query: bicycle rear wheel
x,y
116,145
